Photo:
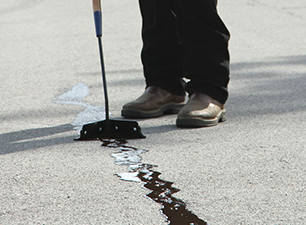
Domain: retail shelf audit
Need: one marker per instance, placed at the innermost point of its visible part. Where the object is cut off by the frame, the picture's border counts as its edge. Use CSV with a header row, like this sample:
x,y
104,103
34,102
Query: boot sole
x,y
189,122
171,108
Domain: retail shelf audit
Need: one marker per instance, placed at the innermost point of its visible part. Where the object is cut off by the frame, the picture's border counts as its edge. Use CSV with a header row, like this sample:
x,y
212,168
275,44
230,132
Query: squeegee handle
x,y
97,16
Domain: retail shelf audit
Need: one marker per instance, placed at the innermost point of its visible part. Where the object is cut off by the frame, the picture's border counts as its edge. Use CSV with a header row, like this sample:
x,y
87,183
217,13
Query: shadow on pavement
x,y
269,88
272,87
34,138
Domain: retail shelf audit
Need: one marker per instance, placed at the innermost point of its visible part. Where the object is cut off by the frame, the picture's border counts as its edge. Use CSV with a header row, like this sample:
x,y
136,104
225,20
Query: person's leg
x,y
162,53
162,58
205,40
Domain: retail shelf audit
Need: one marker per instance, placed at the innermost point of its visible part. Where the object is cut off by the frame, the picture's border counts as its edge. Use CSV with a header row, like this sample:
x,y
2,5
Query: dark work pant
x,y
192,44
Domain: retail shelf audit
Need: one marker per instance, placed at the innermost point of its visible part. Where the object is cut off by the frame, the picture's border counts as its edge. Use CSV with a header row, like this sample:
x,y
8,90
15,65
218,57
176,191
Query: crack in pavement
x,y
173,209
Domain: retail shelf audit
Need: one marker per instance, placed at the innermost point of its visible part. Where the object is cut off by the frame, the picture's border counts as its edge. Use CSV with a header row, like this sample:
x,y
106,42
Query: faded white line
x,y
75,96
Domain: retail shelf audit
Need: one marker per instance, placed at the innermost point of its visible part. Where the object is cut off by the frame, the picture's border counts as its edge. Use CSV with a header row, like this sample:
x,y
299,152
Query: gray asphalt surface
x,y
248,170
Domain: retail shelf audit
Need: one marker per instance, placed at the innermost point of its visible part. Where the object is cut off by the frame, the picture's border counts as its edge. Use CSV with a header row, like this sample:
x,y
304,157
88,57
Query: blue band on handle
x,y
98,23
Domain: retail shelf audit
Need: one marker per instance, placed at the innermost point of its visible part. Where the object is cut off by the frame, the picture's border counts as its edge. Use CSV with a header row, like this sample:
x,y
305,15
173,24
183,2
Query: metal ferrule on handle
x,y
97,16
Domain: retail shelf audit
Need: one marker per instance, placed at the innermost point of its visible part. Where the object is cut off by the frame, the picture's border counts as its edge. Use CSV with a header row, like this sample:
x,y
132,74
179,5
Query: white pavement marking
x,y
130,157
74,96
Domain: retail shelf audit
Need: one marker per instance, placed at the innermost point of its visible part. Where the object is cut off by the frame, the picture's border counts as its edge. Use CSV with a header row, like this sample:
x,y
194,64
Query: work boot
x,y
201,111
153,102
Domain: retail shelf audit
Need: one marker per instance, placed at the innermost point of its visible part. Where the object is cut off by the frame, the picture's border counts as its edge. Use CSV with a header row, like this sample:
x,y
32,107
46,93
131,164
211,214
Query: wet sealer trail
x,y
174,209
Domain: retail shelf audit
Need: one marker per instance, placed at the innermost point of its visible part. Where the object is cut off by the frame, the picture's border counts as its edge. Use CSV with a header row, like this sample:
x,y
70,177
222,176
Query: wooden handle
x,y
96,5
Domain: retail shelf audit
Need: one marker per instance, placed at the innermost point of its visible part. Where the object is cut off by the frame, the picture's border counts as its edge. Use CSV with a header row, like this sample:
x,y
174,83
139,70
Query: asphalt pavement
x,y
247,170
